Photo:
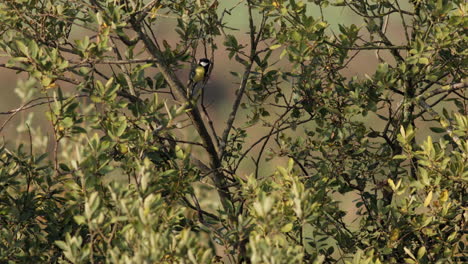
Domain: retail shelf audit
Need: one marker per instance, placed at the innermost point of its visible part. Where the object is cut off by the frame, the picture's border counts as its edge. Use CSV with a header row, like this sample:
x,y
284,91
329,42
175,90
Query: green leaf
x,y
284,52
287,228
33,49
290,165
235,74
95,98
392,184
428,199
276,46
296,36
357,256
283,171
78,130
22,47
423,60
382,68
67,122
437,129
339,3
180,153
64,167
79,219
62,245
421,252
424,175
231,41
400,157
121,128
409,252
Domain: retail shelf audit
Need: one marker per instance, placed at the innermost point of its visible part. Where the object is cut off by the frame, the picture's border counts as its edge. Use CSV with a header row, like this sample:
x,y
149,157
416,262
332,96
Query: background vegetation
x,y
289,156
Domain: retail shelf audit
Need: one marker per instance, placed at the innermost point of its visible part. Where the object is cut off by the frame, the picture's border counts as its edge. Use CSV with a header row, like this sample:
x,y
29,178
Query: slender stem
x,y
243,85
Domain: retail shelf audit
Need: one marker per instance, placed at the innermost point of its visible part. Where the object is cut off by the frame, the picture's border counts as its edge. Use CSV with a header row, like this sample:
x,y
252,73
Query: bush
x,y
137,169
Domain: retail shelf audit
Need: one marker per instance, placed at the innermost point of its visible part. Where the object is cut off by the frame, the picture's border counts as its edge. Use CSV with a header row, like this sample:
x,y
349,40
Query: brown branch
x,y
200,211
448,89
116,62
389,47
210,121
25,106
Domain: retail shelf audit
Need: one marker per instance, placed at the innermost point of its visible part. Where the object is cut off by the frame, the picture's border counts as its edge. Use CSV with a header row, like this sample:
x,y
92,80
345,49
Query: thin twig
x,y
449,128
265,137
243,85
384,31
29,105
445,89
89,63
389,47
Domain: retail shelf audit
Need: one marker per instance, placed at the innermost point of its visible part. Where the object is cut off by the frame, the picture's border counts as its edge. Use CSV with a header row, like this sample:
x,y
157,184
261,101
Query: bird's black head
x,y
204,62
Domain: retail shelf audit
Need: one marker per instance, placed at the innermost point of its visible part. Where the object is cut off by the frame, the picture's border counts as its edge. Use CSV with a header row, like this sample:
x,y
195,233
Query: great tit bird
x,y
197,75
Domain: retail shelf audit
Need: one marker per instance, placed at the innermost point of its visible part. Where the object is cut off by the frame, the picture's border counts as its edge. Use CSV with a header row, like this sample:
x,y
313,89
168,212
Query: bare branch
x,y
90,63
445,89
389,47
29,105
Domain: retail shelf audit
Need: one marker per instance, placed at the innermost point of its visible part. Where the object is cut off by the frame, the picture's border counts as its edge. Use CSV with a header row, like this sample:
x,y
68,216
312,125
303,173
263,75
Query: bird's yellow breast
x,y
199,74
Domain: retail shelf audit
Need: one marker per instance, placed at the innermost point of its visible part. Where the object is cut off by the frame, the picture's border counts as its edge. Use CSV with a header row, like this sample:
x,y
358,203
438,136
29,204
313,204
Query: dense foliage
x,y
137,171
